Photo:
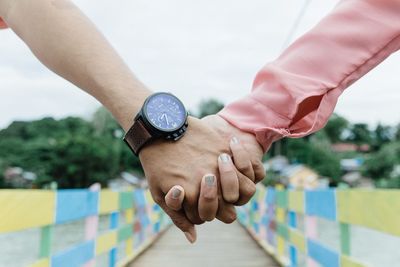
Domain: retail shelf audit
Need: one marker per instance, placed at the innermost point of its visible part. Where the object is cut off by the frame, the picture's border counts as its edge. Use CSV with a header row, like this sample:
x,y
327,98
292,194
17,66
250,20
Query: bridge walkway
x,y
218,245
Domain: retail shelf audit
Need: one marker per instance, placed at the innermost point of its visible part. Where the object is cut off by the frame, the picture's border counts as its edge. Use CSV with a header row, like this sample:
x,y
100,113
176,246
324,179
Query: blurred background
x,y
207,53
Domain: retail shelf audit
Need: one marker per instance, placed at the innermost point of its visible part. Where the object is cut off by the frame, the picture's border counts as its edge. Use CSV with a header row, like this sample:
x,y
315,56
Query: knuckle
x,y
228,172
158,199
209,197
231,197
244,168
250,190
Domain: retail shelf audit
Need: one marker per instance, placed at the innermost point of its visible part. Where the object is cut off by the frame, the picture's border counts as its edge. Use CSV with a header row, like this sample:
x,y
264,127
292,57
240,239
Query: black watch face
x,y
165,112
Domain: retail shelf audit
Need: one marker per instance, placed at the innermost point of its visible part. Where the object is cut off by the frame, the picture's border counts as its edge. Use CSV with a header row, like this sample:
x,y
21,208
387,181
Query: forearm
x,y
66,42
295,94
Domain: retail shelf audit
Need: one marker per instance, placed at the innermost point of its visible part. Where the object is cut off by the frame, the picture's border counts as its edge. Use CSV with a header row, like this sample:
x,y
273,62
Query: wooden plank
x,y
322,254
22,209
109,201
376,209
296,201
75,256
216,241
125,200
45,241
75,204
321,203
349,262
106,242
345,238
297,239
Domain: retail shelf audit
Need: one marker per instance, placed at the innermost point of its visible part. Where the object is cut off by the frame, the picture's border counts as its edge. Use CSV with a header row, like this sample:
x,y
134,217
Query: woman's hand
x,y
233,185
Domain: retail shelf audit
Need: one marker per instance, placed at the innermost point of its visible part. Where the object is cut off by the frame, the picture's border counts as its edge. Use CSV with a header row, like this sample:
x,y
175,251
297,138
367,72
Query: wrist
x,y
124,103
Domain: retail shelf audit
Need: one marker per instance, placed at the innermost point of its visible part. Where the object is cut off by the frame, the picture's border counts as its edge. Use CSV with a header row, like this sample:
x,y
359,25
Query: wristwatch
x,y
162,116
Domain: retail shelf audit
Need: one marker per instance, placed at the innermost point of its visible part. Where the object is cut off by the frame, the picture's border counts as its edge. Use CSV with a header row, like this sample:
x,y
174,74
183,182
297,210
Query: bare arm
x,y
64,40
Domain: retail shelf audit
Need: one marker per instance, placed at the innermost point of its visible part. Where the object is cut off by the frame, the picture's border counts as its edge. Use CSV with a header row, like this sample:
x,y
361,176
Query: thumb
x,y
180,221
174,197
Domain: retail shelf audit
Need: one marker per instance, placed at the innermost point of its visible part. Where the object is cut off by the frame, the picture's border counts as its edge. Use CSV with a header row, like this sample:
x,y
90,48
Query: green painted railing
x,y
132,222
285,223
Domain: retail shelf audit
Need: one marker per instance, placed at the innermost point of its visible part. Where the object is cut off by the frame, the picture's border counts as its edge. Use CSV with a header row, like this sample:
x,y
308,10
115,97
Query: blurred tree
x,y
381,135
380,165
360,134
71,151
335,127
107,127
397,133
209,107
317,155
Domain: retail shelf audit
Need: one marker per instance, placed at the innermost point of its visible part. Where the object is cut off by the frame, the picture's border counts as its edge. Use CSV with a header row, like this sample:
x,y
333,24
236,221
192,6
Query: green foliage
x,y
317,155
73,152
360,134
381,136
335,127
397,133
379,165
209,107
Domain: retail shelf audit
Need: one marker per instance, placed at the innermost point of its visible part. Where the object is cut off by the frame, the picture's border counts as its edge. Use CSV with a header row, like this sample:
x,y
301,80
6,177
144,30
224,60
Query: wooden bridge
x,y
69,228
218,245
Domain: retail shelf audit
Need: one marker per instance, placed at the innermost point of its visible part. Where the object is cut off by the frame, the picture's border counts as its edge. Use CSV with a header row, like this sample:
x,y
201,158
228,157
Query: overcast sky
x,y
195,49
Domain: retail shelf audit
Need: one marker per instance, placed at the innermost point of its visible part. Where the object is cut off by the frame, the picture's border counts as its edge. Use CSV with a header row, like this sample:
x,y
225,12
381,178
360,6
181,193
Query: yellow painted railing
x,y
133,222
285,223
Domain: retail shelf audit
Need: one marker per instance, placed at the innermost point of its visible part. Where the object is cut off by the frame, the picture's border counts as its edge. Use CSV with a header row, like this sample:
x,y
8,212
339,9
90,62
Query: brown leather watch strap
x,y
137,136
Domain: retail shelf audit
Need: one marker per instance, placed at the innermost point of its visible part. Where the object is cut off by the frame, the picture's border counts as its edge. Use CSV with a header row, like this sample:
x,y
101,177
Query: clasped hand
x,y
202,176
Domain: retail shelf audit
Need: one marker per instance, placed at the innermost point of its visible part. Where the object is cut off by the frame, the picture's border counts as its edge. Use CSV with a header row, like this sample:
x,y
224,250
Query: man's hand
x,y
184,163
172,167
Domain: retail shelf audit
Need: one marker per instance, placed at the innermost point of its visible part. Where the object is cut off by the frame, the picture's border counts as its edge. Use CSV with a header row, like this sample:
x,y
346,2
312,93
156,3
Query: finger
x,y
241,158
208,201
226,212
259,171
190,207
229,180
247,189
180,220
174,197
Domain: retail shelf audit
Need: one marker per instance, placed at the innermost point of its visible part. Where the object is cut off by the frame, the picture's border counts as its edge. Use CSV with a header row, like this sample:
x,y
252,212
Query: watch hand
x,y
166,118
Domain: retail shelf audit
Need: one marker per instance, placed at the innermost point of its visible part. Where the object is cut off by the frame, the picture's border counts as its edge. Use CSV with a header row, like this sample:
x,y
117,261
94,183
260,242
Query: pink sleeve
x,y
311,74
3,25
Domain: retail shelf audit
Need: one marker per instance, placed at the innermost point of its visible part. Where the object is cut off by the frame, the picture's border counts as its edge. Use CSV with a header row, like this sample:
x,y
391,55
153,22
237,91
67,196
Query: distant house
x,y
355,179
276,164
351,165
18,178
126,181
300,177
350,147
344,147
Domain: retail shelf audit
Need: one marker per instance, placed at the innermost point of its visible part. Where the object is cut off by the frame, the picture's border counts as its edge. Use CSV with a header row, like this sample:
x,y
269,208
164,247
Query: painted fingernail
x,y
176,192
210,180
190,237
224,158
234,140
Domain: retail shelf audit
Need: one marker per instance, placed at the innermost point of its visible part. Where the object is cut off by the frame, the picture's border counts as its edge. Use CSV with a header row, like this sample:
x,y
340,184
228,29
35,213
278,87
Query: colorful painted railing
x,y
284,222
133,222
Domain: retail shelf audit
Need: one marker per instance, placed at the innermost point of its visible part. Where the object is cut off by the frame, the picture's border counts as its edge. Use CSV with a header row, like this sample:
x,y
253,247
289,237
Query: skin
x,y
64,40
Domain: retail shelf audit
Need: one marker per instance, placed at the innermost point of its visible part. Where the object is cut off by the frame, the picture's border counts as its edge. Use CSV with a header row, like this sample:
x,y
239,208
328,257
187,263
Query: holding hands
x,y
212,168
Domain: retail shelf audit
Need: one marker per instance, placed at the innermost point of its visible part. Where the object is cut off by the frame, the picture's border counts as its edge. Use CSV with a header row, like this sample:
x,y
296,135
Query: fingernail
x,y
224,158
210,180
190,237
234,140
176,192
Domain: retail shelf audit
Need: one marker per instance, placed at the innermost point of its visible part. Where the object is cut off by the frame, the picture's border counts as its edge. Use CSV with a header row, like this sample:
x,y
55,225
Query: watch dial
x,y
165,112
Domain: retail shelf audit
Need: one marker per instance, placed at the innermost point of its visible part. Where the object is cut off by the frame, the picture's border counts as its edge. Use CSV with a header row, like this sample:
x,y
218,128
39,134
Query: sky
x,y
194,49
